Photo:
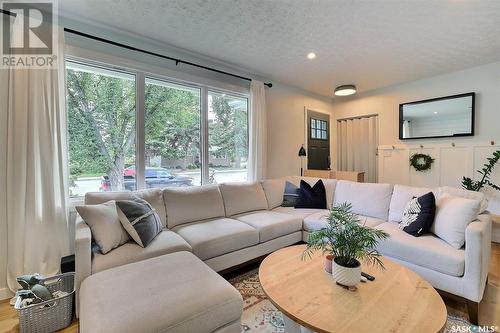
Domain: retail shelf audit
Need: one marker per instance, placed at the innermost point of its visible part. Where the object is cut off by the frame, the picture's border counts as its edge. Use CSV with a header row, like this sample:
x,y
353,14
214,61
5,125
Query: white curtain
x,y
4,75
257,150
357,142
36,164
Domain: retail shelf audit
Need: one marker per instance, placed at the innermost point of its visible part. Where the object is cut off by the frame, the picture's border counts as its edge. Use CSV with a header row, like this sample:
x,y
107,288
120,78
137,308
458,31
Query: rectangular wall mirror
x,y
442,117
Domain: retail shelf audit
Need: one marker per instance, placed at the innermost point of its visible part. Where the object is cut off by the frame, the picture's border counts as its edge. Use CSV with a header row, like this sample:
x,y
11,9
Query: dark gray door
x,y
318,140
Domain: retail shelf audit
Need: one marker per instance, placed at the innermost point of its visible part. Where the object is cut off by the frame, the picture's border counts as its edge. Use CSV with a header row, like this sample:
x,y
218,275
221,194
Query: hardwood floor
x,y
489,308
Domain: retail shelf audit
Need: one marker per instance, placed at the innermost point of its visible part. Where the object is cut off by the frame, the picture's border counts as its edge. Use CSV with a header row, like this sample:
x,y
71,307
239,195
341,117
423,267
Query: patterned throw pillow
x,y
418,215
139,219
290,196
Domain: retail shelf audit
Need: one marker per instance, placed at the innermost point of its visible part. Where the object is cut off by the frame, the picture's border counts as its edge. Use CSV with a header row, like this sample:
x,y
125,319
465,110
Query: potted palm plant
x,y
349,242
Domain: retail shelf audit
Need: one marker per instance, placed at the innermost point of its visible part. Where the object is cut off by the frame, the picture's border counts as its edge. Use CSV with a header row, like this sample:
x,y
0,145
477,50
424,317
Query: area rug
x,y
260,315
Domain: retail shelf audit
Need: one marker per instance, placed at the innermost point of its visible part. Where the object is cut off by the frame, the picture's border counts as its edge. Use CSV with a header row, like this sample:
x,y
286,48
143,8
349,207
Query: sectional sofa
x,y
229,224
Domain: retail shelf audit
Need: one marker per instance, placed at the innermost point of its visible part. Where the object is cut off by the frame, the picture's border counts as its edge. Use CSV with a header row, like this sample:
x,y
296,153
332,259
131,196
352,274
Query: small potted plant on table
x,y
349,242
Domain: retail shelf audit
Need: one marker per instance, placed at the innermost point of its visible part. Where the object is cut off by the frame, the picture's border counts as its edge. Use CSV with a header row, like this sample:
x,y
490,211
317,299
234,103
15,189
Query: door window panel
x,y
319,129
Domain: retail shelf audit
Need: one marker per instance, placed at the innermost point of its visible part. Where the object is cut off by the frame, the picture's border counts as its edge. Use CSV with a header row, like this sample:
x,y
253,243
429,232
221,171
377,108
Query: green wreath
x,y
421,162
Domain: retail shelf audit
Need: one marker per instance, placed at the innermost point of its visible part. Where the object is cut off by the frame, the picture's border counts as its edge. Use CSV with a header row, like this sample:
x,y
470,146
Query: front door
x,y
318,140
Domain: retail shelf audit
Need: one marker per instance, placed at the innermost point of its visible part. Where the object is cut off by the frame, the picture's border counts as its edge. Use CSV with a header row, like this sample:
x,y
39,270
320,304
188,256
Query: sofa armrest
x,y
477,257
83,254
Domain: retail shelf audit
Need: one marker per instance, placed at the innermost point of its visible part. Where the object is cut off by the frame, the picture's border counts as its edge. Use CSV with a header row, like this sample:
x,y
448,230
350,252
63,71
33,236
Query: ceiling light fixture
x,y
311,55
345,90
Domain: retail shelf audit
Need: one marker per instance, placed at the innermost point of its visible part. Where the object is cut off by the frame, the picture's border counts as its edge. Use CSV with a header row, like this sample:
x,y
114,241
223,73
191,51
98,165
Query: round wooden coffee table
x,y
398,300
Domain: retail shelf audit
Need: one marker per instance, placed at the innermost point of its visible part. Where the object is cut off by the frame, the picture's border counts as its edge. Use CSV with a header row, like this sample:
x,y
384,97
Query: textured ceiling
x,y
369,43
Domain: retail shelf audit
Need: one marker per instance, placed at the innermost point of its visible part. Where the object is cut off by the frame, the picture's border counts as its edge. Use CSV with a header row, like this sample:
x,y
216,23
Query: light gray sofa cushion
x,y
166,242
369,199
243,197
154,196
299,212
271,225
216,237
190,204
274,190
319,220
103,220
401,195
427,251
176,293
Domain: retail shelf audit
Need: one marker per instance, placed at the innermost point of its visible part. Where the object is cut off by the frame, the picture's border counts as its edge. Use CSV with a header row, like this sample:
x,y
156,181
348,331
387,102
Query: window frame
x,y
318,126
142,72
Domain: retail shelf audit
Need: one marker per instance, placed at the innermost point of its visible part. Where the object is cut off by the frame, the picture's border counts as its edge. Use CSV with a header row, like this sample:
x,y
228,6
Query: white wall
x,y
455,157
484,80
285,120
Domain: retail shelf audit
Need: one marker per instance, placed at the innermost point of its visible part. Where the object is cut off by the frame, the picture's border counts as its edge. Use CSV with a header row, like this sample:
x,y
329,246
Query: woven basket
x,y
52,315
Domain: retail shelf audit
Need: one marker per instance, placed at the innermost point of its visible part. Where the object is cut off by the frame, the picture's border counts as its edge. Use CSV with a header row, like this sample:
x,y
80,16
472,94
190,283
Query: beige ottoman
x,y
173,293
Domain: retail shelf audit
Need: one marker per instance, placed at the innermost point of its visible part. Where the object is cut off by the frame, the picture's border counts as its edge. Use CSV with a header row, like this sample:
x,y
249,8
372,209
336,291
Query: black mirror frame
x,y
471,133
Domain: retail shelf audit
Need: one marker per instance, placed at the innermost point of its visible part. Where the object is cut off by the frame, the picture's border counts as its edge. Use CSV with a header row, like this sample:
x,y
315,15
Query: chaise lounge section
x,y
146,296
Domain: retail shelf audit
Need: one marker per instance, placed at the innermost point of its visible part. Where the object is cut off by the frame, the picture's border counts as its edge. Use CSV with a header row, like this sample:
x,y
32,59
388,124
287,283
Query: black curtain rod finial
x,y
270,85
6,12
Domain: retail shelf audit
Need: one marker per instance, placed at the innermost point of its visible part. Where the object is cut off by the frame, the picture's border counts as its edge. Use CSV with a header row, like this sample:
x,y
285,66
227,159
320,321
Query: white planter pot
x,y
346,276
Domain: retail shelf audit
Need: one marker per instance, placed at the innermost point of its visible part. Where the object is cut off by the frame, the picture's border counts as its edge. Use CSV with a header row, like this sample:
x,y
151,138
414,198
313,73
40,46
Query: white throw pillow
x,y
105,225
400,198
463,193
453,215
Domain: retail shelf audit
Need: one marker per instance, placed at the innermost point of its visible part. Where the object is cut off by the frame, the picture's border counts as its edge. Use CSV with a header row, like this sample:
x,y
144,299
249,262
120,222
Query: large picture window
x,y
227,137
117,119
172,126
101,129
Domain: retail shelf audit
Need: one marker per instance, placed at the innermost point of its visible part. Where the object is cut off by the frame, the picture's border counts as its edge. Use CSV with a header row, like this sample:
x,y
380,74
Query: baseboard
x,y
5,293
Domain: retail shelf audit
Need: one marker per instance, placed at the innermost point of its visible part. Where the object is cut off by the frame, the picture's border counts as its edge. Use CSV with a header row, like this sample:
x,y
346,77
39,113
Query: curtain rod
x,y
132,48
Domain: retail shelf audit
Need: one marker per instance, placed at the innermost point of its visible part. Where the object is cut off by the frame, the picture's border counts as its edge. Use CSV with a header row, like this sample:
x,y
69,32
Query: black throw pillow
x,y
418,215
311,197
139,219
290,196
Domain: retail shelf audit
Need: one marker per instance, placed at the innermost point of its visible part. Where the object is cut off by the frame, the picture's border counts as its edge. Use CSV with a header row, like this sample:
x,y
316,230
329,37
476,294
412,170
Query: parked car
x,y
155,177
130,171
